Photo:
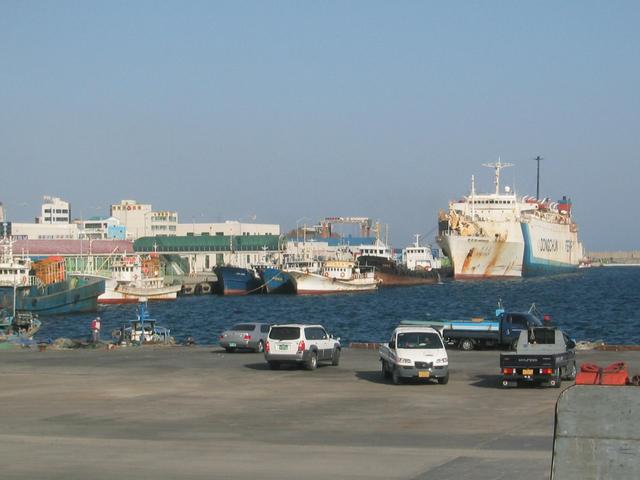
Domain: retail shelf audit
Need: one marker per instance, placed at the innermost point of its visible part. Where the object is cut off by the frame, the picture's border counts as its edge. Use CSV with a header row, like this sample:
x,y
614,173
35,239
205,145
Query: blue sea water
x,y
593,304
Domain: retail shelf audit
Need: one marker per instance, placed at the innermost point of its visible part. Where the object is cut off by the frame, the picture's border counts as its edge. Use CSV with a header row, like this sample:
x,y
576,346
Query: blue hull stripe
x,y
532,266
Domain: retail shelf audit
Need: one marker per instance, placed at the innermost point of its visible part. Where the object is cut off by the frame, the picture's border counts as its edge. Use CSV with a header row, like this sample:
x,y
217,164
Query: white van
x,y
415,352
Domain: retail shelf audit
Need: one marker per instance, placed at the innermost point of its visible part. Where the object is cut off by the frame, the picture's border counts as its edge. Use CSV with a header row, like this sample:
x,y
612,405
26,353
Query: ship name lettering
x,y
548,245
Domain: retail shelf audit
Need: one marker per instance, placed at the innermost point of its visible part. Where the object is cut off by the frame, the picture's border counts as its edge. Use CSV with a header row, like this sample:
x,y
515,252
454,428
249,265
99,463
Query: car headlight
x,y
442,361
405,360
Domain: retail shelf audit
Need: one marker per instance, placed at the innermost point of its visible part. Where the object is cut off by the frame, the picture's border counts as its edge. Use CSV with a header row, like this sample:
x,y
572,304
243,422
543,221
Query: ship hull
x,y
389,274
475,257
550,248
237,281
74,295
277,281
314,284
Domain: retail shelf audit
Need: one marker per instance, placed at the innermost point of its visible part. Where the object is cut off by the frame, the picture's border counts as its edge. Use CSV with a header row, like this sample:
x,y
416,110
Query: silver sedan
x,y
251,336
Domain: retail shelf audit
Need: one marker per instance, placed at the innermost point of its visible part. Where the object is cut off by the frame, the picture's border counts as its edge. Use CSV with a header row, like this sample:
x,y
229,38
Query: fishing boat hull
x,y
121,293
78,293
277,281
237,281
389,274
315,284
483,257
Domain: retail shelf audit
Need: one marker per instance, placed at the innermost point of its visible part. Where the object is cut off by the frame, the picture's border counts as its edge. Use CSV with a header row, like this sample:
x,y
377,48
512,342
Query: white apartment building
x,y
229,227
54,211
140,220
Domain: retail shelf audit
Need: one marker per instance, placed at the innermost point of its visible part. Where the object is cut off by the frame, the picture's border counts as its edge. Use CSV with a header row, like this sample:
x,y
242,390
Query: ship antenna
x,y
538,159
473,196
497,167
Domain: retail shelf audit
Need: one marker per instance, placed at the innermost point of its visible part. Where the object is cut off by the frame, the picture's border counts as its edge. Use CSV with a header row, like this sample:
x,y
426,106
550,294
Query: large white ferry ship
x,y
550,238
481,234
501,235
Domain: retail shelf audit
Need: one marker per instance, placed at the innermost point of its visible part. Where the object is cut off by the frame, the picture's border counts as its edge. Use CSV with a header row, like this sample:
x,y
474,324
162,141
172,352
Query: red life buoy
x,y
24,280
128,207
326,274
342,274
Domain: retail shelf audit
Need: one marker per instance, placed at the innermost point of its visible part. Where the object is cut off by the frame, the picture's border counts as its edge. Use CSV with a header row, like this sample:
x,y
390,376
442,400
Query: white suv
x,y
296,343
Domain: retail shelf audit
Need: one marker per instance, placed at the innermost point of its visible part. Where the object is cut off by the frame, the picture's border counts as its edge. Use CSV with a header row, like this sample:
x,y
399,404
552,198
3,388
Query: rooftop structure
x,y
54,211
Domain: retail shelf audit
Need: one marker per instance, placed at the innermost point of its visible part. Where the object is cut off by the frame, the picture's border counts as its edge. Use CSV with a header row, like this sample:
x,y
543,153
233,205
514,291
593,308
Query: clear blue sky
x,y
284,110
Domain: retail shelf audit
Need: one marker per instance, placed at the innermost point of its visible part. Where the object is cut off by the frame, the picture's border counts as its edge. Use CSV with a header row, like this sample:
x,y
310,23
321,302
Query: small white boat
x,y
335,276
133,278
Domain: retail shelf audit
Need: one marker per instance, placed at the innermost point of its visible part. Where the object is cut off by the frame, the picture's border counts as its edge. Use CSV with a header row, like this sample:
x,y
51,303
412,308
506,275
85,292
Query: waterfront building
x,y
204,252
229,227
44,231
140,220
54,211
98,228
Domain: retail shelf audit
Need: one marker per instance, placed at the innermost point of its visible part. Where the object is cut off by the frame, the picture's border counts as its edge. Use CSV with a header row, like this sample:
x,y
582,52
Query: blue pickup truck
x,y
503,331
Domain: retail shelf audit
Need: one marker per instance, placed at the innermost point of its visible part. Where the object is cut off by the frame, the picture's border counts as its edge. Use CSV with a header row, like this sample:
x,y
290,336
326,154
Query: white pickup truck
x,y
415,352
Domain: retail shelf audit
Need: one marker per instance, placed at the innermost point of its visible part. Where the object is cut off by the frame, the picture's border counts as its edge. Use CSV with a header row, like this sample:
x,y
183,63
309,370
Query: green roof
x,y
206,243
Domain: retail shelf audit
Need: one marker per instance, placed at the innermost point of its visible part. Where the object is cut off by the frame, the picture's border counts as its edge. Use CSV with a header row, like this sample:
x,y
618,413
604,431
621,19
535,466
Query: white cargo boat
x,y
335,276
133,278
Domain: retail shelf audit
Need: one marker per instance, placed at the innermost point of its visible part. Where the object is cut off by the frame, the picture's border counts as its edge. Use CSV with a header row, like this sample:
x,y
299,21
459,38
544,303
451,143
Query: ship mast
x,y
537,159
473,196
497,167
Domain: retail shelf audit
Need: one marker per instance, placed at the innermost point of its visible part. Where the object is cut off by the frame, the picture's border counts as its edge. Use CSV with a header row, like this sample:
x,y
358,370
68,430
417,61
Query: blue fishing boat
x,y
43,287
237,281
277,281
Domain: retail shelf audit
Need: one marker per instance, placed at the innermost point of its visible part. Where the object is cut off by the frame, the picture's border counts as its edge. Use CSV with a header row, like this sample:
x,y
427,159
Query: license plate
x,y
232,344
283,347
424,374
527,371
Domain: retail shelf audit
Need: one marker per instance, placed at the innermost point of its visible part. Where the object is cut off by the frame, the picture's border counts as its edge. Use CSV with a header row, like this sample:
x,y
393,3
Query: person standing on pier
x,y
95,329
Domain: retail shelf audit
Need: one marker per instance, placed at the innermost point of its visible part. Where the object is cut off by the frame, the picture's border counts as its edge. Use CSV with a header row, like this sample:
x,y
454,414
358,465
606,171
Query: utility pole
x,y
538,159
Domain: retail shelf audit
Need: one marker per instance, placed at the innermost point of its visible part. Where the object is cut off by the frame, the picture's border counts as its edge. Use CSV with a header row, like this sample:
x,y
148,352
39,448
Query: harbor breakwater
x,y
598,304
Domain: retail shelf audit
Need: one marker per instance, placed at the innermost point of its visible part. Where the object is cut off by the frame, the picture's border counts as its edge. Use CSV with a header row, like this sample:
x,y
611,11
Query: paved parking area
x,y
198,412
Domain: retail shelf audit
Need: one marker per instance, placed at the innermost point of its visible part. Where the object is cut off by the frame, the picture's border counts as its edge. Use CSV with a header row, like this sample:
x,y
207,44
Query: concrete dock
x,y
196,413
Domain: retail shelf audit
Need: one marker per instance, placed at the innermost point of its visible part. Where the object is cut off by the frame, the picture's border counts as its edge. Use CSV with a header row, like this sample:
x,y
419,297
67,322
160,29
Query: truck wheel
x,y
335,358
312,362
385,369
395,376
467,344
260,347
444,380
230,349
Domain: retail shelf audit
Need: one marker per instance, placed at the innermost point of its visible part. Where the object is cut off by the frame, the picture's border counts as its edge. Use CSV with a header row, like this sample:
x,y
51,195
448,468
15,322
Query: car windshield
x,y
284,333
419,340
244,327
